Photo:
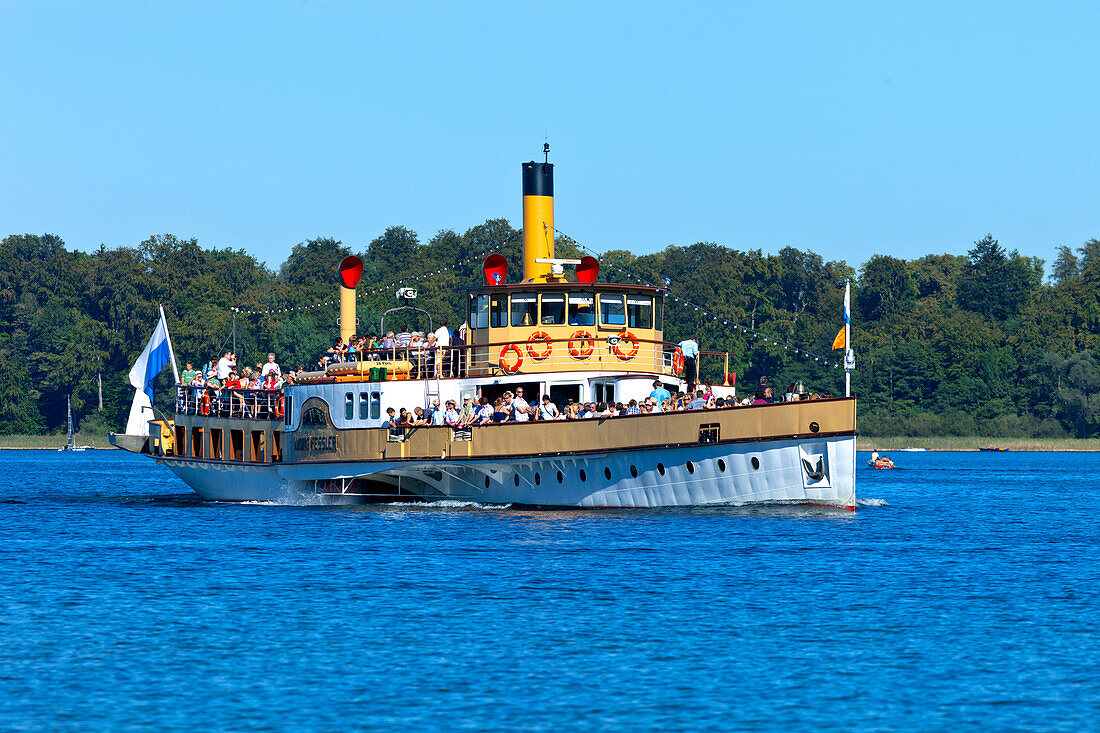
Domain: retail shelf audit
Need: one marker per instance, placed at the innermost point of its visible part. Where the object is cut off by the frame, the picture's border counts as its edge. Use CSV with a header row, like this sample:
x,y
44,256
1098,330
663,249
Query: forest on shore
x,y
975,344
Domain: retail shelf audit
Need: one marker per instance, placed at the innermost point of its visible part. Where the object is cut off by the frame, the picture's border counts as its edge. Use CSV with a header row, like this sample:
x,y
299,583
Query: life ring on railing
x,y
545,339
279,408
504,365
678,361
587,344
628,354
204,406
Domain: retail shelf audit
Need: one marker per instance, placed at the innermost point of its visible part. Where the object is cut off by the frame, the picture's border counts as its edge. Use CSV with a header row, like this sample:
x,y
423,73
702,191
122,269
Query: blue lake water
x,y
961,594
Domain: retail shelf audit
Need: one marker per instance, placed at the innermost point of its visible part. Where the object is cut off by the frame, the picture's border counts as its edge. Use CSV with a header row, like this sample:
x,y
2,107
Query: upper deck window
x,y
525,309
612,312
498,311
582,309
553,309
479,311
659,313
639,311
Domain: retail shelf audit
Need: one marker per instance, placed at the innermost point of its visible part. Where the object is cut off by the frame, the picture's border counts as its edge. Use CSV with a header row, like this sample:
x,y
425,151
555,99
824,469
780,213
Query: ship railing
x,y
243,404
531,357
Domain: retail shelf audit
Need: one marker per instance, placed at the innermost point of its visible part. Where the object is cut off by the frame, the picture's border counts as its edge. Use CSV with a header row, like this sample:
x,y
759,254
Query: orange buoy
x,y
544,338
628,354
678,361
505,366
586,347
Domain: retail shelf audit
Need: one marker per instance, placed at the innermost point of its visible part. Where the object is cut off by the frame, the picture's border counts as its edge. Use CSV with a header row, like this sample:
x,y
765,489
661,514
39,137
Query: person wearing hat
x,y
452,416
467,410
437,412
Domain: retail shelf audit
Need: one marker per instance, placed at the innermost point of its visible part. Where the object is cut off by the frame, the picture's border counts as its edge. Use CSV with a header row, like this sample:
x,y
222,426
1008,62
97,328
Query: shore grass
x,y
955,443
52,442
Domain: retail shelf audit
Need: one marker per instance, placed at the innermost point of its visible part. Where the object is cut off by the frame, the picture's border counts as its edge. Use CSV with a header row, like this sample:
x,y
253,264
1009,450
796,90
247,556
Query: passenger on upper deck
x,y
548,410
690,349
659,393
226,364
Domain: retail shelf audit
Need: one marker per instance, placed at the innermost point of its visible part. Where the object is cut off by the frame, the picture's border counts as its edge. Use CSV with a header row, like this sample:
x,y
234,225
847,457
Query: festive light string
x,y
754,333
715,316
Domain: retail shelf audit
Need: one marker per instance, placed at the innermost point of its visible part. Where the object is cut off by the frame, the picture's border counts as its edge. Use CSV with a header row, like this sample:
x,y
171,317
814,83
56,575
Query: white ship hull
x,y
816,471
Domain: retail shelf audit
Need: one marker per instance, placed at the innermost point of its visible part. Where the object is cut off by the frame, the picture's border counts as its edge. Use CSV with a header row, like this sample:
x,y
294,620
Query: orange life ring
x,y
626,355
504,365
279,408
587,344
678,361
204,408
543,337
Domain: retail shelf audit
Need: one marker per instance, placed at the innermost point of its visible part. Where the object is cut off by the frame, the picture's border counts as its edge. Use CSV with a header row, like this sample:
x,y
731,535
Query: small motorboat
x,y
877,461
992,449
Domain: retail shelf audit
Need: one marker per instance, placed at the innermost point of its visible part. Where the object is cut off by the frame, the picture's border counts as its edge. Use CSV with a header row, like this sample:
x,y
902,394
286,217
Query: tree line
x,y
975,344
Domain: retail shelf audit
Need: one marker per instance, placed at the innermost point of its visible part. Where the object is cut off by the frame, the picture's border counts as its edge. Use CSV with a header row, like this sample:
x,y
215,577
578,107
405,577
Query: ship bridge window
x,y
639,311
498,311
553,309
479,311
525,309
582,309
611,310
659,313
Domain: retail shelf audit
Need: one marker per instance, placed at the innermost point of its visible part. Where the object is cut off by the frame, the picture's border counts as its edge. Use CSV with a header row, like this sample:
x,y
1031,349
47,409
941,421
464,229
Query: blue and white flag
x,y
157,353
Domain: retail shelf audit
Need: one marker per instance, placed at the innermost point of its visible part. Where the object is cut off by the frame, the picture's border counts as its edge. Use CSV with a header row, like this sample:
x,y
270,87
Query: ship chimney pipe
x,y
538,221
351,269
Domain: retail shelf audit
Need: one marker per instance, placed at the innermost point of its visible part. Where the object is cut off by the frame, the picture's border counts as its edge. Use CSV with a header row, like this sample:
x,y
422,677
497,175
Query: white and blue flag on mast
x,y
157,353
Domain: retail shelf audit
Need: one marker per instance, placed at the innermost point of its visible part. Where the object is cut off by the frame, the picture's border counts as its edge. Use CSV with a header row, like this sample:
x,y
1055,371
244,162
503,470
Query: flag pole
x,y
171,351
847,338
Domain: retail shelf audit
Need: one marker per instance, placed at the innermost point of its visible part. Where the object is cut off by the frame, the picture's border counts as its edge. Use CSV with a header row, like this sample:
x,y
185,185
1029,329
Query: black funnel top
x,y
538,179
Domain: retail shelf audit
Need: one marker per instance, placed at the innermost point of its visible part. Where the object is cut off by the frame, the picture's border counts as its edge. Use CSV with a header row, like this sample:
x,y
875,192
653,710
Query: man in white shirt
x,y
521,409
690,349
269,367
226,364
443,342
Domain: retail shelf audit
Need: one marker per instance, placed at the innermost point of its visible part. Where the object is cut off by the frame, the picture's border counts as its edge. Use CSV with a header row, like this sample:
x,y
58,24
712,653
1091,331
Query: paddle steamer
x,y
571,338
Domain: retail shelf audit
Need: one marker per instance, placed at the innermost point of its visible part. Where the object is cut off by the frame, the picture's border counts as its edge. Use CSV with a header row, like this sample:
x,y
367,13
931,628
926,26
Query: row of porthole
x,y
633,472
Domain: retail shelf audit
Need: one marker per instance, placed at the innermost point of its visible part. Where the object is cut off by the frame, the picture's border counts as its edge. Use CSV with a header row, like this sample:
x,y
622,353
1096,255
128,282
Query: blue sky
x,y
848,130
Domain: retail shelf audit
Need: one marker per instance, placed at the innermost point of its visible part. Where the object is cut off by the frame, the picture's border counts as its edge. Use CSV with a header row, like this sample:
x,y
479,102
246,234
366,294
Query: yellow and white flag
x,y
840,341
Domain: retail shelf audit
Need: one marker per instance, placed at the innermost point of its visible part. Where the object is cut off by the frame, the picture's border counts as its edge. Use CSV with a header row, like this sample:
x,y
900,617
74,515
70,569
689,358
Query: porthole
x,y
661,468
814,427
486,482
561,477
634,471
756,463
721,465
516,479
583,475
538,479
607,473
690,467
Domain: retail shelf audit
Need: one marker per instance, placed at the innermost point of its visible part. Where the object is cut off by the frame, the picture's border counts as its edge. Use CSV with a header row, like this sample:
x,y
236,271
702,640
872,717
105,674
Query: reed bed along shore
x,y
52,442
969,443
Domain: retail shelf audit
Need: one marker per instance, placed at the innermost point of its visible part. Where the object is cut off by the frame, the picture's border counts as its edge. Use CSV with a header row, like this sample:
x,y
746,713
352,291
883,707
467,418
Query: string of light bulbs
x,y
754,333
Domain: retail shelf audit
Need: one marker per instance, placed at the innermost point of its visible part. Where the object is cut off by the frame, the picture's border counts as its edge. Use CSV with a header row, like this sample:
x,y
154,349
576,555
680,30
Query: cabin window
x,y
349,406
196,443
524,309
287,404
612,312
181,437
479,311
604,392
553,309
582,309
236,445
375,405
259,446
639,311
364,406
216,438
563,395
498,311
659,314
277,447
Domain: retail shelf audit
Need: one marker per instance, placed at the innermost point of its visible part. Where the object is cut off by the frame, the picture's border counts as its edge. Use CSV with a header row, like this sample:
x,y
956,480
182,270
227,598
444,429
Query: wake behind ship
x,y
572,340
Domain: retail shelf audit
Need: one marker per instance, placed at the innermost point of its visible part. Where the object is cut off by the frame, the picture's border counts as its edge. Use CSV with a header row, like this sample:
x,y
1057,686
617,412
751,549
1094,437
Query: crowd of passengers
x,y
513,407
427,351
246,392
